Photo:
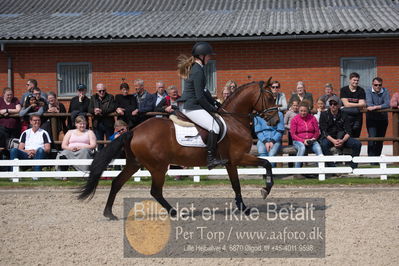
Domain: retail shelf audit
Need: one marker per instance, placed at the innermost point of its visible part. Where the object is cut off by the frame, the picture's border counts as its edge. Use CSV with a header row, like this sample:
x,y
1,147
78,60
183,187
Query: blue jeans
x,y
100,130
302,148
273,151
18,154
376,128
354,144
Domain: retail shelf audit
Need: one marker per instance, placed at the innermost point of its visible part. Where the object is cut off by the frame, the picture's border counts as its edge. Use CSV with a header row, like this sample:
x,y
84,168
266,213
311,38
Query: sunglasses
x,y
275,87
377,85
333,103
101,91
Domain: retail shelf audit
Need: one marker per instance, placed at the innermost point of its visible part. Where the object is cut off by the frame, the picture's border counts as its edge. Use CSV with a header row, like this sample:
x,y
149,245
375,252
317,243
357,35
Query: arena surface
x,y
49,226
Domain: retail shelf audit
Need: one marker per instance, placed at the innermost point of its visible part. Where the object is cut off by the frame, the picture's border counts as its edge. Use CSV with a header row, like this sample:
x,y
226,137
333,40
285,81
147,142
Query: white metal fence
x,y
316,165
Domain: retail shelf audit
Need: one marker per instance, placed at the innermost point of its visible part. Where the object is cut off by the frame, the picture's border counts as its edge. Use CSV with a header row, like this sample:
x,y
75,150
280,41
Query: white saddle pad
x,y
189,136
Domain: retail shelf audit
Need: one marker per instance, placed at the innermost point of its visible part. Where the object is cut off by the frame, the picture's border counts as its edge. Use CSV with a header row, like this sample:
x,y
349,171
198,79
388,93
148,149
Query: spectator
x,y
145,100
34,143
301,95
305,132
169,103
281,101
160,93
9,105
30,107
30,85
79,105
329,91
78,143
225,94
232,85
54,106
120,127
101,105
353,98
377,98
289,115
321,107
336,131
269,137
126,106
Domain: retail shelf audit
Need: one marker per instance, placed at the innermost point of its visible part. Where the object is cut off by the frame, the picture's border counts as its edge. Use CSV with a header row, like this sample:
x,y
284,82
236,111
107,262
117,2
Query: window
x,y
210,74
69,75
364,66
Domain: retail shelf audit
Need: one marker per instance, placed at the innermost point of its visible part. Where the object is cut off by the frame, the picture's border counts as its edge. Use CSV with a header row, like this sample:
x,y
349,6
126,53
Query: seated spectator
x,y
54,106
101,105
336,131
78,143
281,101
377,98
301,95
9,105
353,99
126,106
269,137
30,107
225,94
120,127
231,84
289,115
305,132
329,92
40,99
146,101
321,107
169,103
79,105
30,85
34,143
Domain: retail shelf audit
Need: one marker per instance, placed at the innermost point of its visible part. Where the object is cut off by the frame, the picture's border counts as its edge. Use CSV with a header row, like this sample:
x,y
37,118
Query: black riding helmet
x,y
202,48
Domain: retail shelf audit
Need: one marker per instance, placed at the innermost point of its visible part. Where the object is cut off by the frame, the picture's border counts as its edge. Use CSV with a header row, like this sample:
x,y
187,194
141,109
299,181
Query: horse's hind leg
x,y
117,183
158,180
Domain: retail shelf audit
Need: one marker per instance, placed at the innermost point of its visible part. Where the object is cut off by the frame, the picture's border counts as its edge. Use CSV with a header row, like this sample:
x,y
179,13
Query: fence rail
x,y
319,168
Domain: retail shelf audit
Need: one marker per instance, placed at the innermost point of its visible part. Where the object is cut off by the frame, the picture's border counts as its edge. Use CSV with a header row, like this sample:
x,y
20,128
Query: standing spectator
x,y
329,92
231,84
321,107
101,105
289,115
126,106
281,101
301,95
169,103
30,107
305,132
336,131
160,93
377,98
79,105
34,143
353,98
30,85
54,106
146,101
78,143
269,137
9,105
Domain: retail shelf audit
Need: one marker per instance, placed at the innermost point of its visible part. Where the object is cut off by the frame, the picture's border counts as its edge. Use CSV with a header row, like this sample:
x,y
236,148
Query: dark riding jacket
x,y
195,96
334,126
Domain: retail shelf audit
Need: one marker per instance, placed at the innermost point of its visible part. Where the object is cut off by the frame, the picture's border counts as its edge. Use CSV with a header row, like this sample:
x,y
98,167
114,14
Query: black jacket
x,y
195,95
107,106
335,127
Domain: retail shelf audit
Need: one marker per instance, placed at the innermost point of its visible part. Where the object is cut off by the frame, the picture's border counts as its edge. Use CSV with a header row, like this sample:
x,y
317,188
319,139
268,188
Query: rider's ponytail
x,y
184,64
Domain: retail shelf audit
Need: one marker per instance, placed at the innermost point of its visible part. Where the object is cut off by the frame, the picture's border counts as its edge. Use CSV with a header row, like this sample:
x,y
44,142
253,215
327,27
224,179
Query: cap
x,y
81,87
334,98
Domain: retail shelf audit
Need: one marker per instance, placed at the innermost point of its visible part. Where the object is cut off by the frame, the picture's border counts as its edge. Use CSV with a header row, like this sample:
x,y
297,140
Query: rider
x,y
198,102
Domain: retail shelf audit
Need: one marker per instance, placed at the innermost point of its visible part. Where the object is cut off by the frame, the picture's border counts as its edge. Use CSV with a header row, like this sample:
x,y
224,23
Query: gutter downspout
x,y
9,67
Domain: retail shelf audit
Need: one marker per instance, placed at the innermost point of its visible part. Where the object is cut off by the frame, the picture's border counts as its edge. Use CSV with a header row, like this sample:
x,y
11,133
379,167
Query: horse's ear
x,y
269,82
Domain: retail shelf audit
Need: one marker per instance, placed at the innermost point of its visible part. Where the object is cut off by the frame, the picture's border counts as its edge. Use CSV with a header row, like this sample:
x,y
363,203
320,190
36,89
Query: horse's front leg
x,y
249,159
235,183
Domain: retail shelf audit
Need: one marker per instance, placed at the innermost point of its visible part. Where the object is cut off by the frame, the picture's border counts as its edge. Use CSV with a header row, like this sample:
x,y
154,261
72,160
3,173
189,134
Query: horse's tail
x,y
100,162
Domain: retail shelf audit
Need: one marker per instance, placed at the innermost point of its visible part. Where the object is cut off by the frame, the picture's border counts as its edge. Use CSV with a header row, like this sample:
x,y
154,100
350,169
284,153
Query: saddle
x,y
179,118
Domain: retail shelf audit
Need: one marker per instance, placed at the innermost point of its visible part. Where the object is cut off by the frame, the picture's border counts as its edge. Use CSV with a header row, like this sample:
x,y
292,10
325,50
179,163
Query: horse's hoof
x,y
173,213
264,192
247,211
110,216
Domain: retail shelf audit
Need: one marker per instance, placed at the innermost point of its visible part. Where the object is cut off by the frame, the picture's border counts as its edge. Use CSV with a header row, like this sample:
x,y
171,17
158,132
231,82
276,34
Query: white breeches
x,y
203,119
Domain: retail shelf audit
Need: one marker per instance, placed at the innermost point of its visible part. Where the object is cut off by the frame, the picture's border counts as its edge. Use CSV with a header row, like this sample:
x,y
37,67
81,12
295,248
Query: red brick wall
x,y
314,62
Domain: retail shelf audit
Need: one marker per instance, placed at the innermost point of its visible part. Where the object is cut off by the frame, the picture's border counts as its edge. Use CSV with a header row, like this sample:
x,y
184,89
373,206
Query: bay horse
x,y
153,144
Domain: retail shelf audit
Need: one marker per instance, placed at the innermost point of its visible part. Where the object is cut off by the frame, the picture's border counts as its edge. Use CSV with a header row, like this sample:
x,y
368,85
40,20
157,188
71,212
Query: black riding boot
x,y
211,151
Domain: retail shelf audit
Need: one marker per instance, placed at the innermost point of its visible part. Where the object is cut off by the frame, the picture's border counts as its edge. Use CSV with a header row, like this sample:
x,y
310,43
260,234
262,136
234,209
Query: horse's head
x,y
266,106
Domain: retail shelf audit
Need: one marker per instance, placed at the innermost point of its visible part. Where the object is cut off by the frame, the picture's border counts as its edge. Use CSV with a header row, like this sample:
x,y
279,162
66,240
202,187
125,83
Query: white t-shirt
x,y
34,140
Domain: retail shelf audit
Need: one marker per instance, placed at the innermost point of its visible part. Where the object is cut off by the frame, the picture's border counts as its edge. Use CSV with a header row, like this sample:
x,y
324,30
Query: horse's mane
x,y
236,92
